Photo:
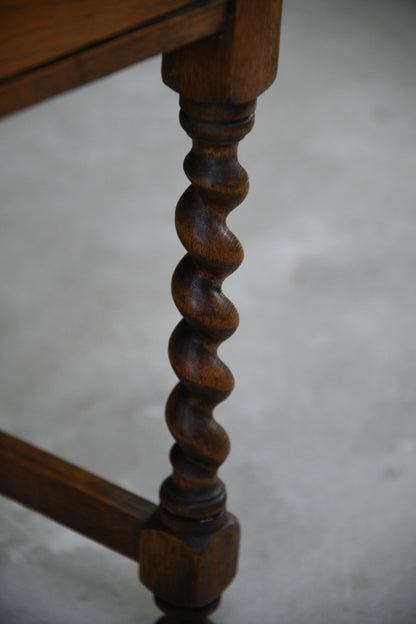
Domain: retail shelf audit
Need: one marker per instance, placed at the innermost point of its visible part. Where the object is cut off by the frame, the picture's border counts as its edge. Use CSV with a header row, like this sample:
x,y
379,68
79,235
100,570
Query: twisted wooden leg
x,y
188,551
219,184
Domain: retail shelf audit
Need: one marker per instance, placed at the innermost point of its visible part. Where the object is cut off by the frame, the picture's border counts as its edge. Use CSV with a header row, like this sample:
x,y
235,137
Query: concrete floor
x,y
322,472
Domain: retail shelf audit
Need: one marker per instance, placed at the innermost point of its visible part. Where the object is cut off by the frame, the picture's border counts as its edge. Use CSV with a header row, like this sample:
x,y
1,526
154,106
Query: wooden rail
x,y
74,497
45,50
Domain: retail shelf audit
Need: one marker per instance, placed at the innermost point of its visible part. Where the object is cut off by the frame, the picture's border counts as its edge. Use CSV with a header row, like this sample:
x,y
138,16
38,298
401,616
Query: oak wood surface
x,y
218,185
35,32
190,549
49,47
72,496
219,56
234,67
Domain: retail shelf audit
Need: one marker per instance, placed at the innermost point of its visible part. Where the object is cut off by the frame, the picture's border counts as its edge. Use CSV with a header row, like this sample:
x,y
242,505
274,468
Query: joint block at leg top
x,y
188,570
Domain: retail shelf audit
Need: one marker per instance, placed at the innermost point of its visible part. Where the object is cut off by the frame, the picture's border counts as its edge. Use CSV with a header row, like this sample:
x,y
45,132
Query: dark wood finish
x,y
192,571
219,56
219,184
75,498
234,67
35,33
186,569
192,538
95,39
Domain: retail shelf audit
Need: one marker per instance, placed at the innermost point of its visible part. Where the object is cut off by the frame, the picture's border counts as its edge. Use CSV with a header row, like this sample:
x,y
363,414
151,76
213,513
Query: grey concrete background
x,y
322,472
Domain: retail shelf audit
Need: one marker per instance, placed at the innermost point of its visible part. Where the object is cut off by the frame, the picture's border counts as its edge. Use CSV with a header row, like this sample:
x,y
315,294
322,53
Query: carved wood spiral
x,y
218,184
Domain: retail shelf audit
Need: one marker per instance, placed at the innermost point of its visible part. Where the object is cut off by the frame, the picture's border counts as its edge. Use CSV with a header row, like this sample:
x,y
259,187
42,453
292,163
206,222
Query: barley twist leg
x,y
218,184
189,550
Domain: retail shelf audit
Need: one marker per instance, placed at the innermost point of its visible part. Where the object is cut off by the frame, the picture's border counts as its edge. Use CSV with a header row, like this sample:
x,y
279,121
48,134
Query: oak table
x,y
219,55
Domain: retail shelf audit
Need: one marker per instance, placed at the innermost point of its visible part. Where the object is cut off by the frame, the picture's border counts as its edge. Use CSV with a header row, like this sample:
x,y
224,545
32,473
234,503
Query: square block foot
x,y
188,570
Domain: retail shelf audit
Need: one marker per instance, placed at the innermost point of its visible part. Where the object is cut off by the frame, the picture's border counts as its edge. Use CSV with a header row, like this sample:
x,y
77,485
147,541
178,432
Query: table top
x,y
47,47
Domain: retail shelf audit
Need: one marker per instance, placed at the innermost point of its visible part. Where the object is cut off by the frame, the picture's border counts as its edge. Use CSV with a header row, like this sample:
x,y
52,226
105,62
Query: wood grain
x,y
90,57
34,33
74,497
189,549
219,56
235,66
218,185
